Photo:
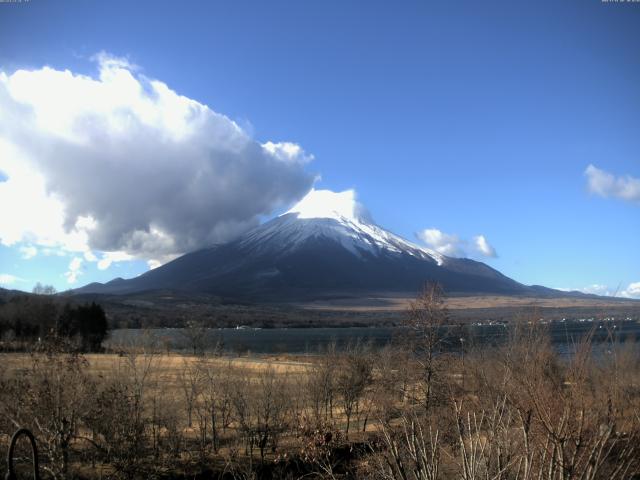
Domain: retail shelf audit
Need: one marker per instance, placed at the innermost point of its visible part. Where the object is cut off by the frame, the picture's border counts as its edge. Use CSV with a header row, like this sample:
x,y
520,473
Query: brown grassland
x,y
408,411
400,303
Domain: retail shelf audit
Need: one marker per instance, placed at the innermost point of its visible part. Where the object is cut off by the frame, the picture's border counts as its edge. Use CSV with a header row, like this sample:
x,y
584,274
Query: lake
x,y
564,336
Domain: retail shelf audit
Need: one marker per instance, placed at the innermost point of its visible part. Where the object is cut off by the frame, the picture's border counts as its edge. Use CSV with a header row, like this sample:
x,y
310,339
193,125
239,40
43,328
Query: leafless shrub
x,y
318,445
170,442
567,419
320,385
190,382
524,413
392,377
214,405
353,378
261,410
410,452
118,419
199,337
49,397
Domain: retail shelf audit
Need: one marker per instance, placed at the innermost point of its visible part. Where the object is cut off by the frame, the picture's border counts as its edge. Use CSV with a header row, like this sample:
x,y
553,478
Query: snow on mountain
x,y
328,204
339,217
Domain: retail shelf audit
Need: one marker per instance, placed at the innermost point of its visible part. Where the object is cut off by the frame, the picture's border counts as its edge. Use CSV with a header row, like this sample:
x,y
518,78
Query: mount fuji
x,y
326,245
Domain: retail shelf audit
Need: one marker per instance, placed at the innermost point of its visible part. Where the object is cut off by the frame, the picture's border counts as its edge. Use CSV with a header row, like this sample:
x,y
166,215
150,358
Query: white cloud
x,y
596,289
483,247
28,251
110,257
105,58
605,184
8,279
453,246
122,163
632,291
153,264
287,152
50,252
75,270
441,242
35,217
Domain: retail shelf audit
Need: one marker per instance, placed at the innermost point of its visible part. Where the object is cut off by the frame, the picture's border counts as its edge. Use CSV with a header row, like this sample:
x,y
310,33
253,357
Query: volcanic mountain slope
x,y
325,246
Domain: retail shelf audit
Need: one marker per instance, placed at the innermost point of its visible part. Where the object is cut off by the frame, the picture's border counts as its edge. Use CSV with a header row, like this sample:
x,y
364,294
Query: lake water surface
x,y
564,336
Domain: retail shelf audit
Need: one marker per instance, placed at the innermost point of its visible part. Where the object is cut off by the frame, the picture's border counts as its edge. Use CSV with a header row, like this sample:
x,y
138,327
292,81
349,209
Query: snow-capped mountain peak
x,y
327,204
340,217
324,244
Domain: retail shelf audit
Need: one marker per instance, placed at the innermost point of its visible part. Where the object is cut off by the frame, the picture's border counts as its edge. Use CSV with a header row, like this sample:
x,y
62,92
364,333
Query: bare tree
x,y
189,379
40,289
261,410
216,398
320,385
354,376
425,319
196,335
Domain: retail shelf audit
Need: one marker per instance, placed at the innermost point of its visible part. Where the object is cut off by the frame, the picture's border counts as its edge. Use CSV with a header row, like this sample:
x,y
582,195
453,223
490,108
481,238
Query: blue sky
x,y
469,118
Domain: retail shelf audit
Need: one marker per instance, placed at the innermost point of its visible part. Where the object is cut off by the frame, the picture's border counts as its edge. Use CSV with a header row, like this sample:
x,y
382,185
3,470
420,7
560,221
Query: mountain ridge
x,y
326,243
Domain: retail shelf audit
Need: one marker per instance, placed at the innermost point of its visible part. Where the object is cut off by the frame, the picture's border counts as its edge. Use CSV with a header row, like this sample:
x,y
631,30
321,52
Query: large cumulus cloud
x,y
122,163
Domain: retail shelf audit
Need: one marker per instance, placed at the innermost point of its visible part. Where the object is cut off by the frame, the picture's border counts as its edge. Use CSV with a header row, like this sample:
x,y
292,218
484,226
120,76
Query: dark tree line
x,y
87,323
40,317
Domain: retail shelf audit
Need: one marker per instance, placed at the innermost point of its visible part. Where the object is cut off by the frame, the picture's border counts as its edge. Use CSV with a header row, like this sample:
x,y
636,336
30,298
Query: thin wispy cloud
x,y
593,289
605,184
6,279
121,163
28,252
74,270
631,291
482,246
597,289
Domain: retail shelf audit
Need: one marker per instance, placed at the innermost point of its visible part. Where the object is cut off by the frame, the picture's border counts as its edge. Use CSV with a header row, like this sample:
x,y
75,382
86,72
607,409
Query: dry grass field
x,y
518,411
166,367
180,396
395,303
